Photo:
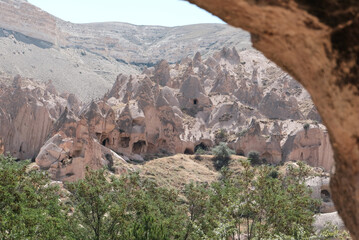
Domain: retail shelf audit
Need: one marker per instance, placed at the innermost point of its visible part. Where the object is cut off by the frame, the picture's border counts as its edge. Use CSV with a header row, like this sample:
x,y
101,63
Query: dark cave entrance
x,y
325,195
125,142
240,152
201,146
105,142
195,101
139,147
188,151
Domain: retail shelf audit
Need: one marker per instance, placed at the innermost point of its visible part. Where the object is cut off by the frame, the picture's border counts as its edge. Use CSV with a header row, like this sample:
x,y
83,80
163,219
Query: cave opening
x,y
240,152
325,195
105,142
188,151
139,147
125,142
202,146
195,101
76,153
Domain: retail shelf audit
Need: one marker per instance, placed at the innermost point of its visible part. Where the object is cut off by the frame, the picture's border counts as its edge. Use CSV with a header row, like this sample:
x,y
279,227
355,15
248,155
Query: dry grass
x,y
178,170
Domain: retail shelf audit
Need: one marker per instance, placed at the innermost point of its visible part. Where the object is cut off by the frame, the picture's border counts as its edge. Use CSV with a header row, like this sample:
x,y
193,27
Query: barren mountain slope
x,y
84,59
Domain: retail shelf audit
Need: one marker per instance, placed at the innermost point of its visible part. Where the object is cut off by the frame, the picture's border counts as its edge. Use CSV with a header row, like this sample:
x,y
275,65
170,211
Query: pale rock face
x,y
312,146
178,108
274,106
323,218
267,146
321,191
76,144
27,114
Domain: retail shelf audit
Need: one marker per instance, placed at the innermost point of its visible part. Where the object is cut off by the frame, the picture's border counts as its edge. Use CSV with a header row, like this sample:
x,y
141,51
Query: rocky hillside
x,y
85,59
199,95
237,97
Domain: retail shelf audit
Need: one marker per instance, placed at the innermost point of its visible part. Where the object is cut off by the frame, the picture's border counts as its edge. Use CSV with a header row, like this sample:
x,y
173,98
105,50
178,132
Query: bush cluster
x,y
258,202
222,154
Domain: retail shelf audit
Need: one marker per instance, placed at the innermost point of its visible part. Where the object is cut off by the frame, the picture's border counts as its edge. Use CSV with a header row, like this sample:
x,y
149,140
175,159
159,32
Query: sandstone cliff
x,y
28,112
178,108
193,99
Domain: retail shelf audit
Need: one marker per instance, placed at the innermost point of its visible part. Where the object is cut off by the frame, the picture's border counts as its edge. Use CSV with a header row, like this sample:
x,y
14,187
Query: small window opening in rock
x,y
76,153
70,174
188,151
105,142
125,142
138,147
325,196
195,101
162,143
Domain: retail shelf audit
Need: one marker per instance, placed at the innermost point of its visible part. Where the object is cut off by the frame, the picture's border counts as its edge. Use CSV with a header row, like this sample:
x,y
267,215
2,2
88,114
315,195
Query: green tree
x,y
100,210
254,203
222,154
147,229
196,196
29,204
112,208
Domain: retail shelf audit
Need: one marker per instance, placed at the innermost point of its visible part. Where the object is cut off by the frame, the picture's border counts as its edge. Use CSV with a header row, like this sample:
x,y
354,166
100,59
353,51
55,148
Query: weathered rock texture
x,y
317,42
28,112
321,191
123,41
197,103
37,45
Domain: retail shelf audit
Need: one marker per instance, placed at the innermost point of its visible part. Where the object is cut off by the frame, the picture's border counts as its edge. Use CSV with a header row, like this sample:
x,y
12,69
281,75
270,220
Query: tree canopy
x,y
257,202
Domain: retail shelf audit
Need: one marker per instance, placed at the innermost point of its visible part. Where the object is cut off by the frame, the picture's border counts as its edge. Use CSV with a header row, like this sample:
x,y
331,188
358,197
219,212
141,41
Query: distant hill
x,y
85,59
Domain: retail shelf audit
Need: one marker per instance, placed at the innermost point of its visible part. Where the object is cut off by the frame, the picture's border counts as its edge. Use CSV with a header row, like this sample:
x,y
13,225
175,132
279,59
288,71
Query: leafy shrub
x,y
29,204
147,229
123,208
306,126
331,231
222,154
251,203
254,158
255,202
242,133
273,174
221,135
200,151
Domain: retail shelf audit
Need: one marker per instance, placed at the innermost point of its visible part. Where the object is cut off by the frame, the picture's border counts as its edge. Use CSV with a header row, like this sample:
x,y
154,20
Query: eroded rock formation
x,y
170,108
179,108
28,111
317,43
